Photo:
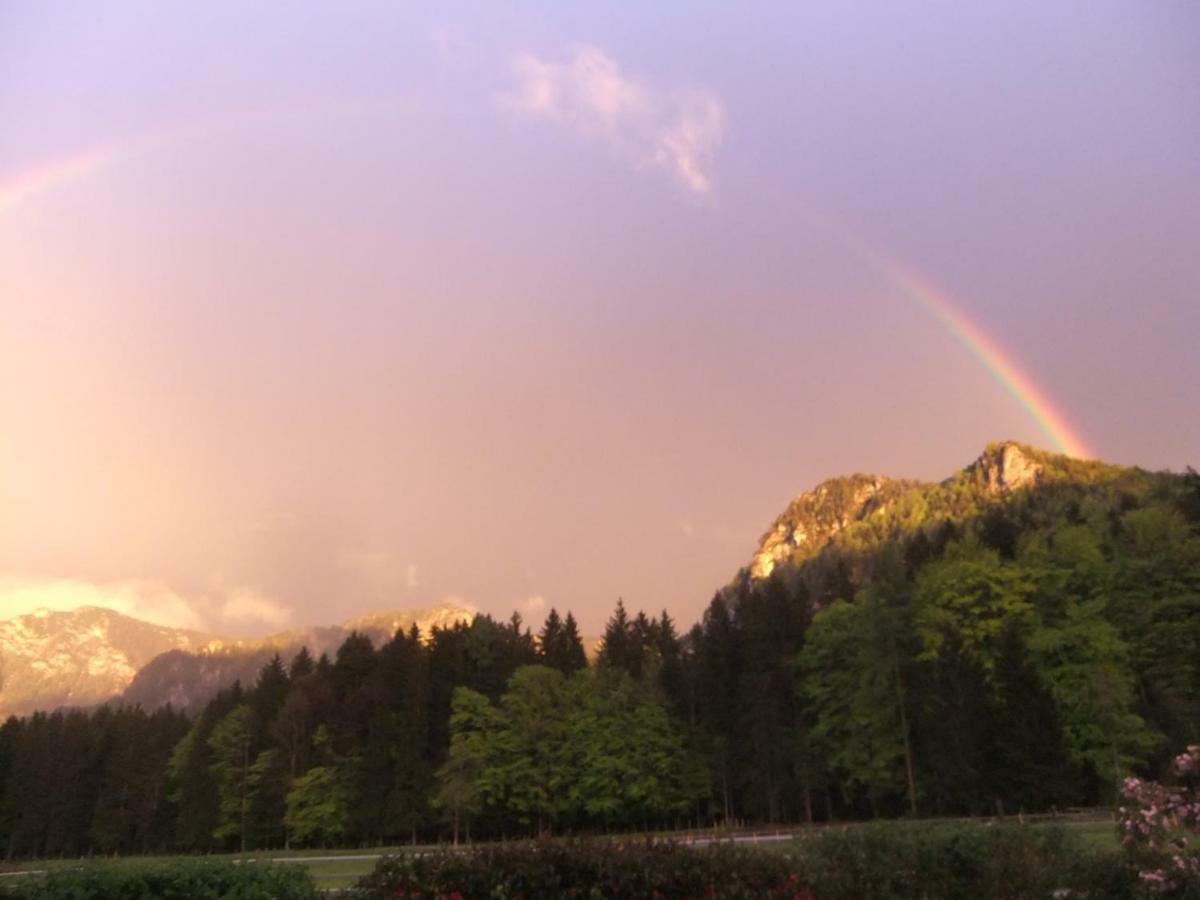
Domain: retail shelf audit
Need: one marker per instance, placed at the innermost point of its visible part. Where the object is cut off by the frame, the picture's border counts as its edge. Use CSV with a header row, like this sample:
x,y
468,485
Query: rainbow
x,y
52,175
39,179
1000,364
1052,423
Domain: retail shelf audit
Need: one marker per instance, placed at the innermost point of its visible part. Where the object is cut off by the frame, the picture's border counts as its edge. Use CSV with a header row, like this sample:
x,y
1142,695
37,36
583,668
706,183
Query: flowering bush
x,y
1160,827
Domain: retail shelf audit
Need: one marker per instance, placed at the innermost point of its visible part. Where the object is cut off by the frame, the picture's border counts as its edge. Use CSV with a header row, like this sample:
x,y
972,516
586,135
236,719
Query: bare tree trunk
x,y
245,779
908,757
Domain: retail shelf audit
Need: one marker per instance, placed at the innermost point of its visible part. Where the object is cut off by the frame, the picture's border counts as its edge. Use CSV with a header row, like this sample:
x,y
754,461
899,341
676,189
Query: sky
x,y
308,310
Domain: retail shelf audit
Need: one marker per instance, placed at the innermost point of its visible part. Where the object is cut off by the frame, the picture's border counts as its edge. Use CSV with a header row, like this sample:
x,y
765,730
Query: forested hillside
x,y
1017,637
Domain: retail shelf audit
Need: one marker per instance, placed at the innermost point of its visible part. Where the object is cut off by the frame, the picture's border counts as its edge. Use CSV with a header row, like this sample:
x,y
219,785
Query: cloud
x,y
381,568
150,601
248,607
676,132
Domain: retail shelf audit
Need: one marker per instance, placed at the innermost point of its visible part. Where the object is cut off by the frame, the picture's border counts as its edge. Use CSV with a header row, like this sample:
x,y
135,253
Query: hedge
x,y
884,862
184,880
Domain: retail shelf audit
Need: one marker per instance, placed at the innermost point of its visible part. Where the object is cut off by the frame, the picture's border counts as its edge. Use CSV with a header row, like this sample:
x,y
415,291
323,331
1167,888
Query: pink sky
x,y
307,311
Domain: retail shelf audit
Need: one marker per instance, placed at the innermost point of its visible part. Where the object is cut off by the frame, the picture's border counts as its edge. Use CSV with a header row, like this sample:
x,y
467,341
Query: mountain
x,y
856,512
91,655
188,679
79,658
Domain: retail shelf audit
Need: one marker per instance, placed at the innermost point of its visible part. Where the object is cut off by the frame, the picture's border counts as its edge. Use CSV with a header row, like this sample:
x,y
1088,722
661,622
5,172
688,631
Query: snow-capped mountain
x,y
90,655
79,658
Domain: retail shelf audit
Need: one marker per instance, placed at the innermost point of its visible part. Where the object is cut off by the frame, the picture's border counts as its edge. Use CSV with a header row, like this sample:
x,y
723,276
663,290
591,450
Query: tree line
x,y
964,654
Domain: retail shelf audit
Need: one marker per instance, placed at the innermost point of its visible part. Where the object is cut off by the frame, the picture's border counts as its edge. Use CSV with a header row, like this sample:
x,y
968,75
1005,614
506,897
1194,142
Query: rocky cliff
x,y
864,509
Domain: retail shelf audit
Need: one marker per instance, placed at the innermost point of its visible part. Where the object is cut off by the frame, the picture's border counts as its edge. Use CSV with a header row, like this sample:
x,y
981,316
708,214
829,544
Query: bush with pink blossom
x,y
1160,827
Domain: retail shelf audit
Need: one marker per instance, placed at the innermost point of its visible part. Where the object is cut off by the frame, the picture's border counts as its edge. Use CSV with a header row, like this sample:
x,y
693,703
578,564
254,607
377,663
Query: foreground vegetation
x,y
962,649
879,861
898,859
176,880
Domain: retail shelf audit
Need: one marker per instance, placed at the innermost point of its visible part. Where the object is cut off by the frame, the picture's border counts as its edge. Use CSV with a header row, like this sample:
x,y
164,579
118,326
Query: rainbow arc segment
x,y
51,175
987,351
991,355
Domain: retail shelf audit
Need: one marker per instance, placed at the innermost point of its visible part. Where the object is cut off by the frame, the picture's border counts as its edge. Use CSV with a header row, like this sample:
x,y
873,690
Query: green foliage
x,y
968,602
191,880
854,687
881,862
317,807
230,743
632,870
896,861
584,749
471,724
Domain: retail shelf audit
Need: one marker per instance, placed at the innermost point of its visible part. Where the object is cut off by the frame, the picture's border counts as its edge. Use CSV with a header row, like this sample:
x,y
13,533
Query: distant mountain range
x,y
91,655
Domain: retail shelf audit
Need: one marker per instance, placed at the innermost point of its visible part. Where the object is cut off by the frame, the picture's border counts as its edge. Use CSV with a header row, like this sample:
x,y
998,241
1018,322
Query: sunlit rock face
x,y
1006,467
864,509
815,517
78,658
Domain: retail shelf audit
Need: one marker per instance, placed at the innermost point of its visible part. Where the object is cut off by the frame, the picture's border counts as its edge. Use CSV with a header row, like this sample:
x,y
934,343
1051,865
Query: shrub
x,y
190,880
877,862
997,862
585,869
1160,827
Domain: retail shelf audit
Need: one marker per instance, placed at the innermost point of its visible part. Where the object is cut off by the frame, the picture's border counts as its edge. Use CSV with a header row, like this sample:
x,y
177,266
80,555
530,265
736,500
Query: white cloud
x,y
150,601
238,608
677,132
411,578
248,607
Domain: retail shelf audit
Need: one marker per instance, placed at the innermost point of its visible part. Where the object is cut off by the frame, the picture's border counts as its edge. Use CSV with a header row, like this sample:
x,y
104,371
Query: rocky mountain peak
x,y
1007,466
868,507
443,615
813,518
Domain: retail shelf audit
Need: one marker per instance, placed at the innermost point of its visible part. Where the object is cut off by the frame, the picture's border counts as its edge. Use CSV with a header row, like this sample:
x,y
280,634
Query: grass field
x,y
334,869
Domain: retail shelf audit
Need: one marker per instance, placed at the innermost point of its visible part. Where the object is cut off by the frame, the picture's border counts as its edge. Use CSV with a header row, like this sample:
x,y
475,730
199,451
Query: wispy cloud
x,y
245,607
238,608
677,132
150,601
